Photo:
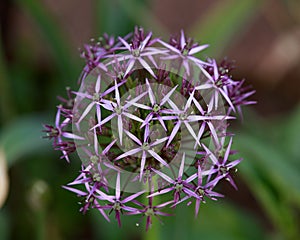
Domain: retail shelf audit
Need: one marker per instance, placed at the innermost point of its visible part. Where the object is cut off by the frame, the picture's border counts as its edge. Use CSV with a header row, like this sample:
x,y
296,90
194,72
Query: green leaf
x,y
224,22
53,34
273,163
22,137
111,18
290,136
216,220
139,13
275,206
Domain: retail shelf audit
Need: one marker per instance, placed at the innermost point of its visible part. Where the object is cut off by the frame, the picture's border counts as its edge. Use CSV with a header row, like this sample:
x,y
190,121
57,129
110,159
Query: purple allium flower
x,y
149,123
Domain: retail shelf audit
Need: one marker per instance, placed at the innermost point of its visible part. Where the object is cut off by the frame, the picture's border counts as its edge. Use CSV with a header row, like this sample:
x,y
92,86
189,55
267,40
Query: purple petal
x,y
211,155
143,161
164,176
128,153
118,187
162,123
169,46
166,98
166,190
198,49
120,128
130,198
132,101
117,93
182,40
104,121
180,173
125,43
71,136
204,86
227,99
234,163
134,138
151,94
146,66
174,132
86,111
226,155
213,132
130,66
103,214
157,157
190,129
146,40
189,101
200,133
159,141
139,105
191,178
78,192
57,118
216,72
131,116
173,105
198,106
98,82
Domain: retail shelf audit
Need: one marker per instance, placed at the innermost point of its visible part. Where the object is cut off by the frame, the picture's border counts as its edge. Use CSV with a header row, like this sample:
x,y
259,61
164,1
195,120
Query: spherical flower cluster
x,y
149,123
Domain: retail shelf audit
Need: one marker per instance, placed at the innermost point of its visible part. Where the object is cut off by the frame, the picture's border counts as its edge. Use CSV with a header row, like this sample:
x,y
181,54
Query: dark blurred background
x,y
39,57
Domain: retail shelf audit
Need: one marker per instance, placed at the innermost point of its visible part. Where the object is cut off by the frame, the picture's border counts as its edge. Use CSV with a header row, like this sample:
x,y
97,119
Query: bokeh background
x,y
39,57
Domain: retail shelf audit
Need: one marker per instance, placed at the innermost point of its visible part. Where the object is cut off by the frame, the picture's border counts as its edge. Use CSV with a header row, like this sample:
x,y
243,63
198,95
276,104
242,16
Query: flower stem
x,y
154,230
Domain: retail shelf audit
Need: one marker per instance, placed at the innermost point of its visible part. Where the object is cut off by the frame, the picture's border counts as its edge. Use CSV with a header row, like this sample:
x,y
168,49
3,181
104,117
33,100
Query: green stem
x,y
41,224
154,230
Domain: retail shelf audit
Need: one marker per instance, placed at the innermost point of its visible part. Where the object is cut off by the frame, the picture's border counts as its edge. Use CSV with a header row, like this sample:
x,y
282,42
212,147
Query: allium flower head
x,y
149,122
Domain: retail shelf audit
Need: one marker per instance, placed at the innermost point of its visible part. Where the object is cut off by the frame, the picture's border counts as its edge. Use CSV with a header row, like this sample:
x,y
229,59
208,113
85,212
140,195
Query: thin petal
x,y
211,155
134,138
180,173
108,147
78,192
118,187
226,155
146,40
71,136
129,115
174,132
169,46
128,153
146,66
117,94
134,100
204,86
130,66
120,128
166,98
143,162
151,94
166,190
98,82
86,111
125,43
198,49
159,141
182,40
157,157
190,129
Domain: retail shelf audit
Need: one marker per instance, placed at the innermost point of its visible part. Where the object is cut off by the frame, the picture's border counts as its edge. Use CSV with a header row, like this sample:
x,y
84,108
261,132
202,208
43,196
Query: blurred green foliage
x,y
271,169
